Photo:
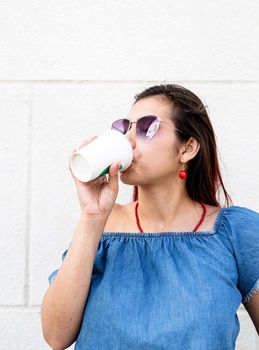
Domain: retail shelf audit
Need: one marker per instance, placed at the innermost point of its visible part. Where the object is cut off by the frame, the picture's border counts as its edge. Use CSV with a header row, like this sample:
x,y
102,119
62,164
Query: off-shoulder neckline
x,y
132,234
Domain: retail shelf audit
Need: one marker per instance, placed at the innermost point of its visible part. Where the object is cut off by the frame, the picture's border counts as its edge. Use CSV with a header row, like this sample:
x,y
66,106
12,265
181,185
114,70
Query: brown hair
x,y
190,116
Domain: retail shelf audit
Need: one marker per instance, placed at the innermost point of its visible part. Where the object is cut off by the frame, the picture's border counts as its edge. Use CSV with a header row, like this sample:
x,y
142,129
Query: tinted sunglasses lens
x,y
121,125
147,126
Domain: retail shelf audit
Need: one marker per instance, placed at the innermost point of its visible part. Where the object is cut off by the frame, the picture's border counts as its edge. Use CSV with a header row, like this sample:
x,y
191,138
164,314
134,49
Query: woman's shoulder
x,y
240,214
115,213
232,217
240,223
118,218
122,219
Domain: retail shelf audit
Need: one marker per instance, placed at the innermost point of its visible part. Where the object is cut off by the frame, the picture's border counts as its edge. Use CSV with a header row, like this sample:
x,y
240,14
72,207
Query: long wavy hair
x,y
189,115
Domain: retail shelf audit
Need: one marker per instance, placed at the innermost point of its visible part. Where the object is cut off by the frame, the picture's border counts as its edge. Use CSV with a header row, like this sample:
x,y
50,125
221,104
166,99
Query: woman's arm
x,y
252,307
64,301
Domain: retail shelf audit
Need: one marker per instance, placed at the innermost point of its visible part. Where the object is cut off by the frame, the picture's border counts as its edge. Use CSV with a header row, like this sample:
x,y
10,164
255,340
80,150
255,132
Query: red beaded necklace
x,y
200,222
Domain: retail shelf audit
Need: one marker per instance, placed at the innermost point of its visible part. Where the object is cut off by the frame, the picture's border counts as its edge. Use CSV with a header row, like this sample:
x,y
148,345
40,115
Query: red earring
x,y
183,174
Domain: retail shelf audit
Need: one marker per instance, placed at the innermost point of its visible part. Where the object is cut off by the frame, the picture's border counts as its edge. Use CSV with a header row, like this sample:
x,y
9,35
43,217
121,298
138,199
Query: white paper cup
x,y
95,159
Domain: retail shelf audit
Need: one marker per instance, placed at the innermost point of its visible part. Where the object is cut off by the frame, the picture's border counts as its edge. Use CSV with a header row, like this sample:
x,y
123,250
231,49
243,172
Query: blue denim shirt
x,y
172,290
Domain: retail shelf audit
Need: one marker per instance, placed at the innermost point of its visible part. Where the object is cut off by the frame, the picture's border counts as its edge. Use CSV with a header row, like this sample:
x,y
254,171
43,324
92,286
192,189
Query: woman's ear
x,y
189,149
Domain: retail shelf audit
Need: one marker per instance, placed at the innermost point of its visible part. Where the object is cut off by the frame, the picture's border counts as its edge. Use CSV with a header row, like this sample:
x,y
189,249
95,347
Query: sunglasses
x,y
146,127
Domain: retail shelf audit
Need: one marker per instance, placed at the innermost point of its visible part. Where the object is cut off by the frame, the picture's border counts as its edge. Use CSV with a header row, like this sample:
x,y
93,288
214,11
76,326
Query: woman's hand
x,y
97,197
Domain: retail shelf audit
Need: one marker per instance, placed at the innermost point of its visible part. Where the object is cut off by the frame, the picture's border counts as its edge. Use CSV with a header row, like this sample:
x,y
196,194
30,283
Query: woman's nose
x,y
131,134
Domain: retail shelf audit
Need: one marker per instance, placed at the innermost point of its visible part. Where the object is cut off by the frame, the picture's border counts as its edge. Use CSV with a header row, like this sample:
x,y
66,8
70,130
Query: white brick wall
x,y
66,70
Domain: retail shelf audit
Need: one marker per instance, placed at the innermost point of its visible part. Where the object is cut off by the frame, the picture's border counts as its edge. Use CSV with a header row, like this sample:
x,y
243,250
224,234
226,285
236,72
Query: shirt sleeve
x,y
54,273
244,236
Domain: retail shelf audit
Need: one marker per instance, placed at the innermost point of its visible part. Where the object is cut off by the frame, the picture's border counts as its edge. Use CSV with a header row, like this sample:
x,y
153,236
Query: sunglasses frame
x,y
160,120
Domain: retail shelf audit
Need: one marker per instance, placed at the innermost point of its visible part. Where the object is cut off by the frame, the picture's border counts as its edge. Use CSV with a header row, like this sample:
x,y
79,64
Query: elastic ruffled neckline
x,y
213,231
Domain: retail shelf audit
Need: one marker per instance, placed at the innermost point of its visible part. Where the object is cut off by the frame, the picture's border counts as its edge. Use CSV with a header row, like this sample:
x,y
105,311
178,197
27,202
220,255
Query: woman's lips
x,y
131,164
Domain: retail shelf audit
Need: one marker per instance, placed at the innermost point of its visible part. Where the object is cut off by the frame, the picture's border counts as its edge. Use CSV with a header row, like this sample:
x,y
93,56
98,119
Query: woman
x,y
170,269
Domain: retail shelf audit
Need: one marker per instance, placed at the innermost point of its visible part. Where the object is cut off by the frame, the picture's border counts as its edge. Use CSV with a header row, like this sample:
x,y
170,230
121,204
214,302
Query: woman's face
x,y
157,159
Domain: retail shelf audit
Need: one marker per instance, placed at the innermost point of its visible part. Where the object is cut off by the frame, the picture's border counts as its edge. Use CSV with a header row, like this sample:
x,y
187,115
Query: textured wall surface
x,y
67,69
